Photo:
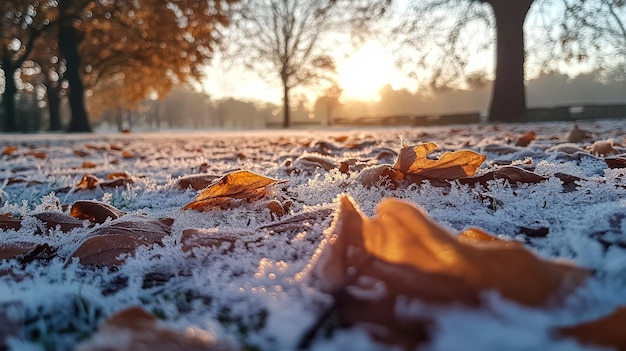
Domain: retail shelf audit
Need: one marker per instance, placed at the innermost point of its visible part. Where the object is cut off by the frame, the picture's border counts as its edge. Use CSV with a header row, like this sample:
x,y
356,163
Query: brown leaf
x,y
451,165
196,182
576,135
94,211
88,164
25,252
525,139
105,245
512,174
53,219
372,176
373,265
7,221
81,153
141,330
607,331
615,162
236,185
87,182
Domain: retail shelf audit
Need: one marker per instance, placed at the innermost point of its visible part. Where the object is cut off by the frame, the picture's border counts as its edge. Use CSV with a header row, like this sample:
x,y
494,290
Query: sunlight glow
x,y
362,74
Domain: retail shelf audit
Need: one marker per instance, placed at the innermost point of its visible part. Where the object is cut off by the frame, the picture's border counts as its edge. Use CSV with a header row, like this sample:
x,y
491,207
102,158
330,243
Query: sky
x,y
360,74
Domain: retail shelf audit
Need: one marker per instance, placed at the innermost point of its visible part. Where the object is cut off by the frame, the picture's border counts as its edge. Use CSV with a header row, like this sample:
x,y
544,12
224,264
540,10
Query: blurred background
x,y
80,65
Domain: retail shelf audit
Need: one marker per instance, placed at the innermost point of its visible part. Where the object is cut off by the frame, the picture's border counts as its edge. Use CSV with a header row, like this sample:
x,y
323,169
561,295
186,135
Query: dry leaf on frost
x,y
107,245
137,329
615,162
225,193
94,211
607,331
576,135
196,182
372,266
451,165
525,139
412,164
7,221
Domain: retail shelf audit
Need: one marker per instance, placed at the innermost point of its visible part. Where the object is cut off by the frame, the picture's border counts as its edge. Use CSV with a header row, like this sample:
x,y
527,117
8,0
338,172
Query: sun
x,y
363,73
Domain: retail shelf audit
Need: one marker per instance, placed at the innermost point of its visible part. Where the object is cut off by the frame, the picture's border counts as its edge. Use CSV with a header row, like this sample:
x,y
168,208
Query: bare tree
x,y
290,38
447,33
284,37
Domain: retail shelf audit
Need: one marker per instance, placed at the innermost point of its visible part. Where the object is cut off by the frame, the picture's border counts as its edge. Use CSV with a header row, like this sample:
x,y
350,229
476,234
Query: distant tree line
x,y
105,58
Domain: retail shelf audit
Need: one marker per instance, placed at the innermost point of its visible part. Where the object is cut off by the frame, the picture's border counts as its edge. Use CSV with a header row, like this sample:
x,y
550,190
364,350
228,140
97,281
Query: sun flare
x,y
362,74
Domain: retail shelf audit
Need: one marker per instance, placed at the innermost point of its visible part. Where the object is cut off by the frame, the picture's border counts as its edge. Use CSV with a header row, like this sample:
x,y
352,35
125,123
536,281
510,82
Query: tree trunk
x,y
54,104
68,44
286,109
8,97
508,98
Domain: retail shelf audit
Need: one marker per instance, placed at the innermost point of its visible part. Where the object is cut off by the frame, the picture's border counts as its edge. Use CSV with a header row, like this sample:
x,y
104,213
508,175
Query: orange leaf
x,y
525,138
373,265
235,185
607,331
141,330
451,165
87,182
88,164
8,150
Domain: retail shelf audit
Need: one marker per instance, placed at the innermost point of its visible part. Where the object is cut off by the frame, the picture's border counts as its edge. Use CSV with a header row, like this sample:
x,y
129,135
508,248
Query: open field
x,y
92,224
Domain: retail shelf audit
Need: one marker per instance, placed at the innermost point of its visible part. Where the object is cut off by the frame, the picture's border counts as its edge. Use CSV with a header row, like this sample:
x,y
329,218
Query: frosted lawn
x,y
251,290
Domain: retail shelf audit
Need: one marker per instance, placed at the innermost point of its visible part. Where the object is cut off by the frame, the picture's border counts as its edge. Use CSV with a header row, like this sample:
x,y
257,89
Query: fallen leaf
x,y
94,211
26,252
107,245
128,154
81,153
615,162
512,174
7,221
525,139
196,182
192,237
137,329
576,135
607,331
603,148
88,164
8,150
87,182
372,266
53,219
451,165
237,185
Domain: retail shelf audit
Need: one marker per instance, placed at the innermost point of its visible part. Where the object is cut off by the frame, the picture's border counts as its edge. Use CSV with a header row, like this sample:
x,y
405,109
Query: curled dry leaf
x,y
234,186
372,266
94,211
607,331
87,182
106,245
451,165
603,148
525,139
194,237
137,329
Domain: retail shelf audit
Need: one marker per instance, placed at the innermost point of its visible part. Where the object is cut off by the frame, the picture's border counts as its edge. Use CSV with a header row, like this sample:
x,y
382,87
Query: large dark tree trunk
x,y
286,109
68,44
508,98
8,97
54,104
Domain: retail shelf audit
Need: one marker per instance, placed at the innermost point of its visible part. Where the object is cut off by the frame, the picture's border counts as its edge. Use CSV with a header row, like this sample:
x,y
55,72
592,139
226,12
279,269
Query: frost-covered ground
x,y
252,292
